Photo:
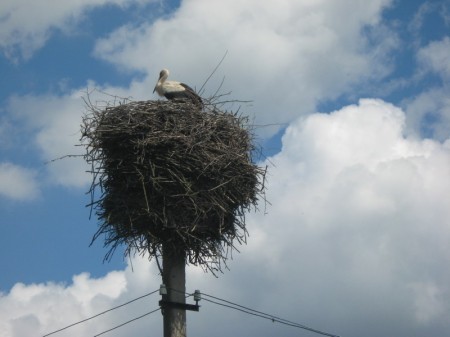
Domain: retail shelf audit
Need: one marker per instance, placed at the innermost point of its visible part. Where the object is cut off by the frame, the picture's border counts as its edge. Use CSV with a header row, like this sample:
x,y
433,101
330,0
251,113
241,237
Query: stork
x,y
174,90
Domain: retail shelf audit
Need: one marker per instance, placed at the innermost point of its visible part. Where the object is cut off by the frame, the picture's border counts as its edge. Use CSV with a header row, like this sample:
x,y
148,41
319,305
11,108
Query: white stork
x,y
174,90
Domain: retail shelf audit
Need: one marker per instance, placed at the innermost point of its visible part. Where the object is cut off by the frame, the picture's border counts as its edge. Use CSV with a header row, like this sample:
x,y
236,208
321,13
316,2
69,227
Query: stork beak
x,y
157,83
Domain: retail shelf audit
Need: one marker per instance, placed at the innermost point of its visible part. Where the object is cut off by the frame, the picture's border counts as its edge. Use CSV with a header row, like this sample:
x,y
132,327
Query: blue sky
x,y
356,94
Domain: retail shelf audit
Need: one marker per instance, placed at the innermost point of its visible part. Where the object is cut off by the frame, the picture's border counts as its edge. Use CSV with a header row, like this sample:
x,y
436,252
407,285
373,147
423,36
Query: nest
x,y
165,172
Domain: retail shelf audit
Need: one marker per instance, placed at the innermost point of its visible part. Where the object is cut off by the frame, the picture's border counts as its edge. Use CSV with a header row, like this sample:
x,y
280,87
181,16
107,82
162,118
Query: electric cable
x,y
101,313
131,320
216,300
273,319
261,314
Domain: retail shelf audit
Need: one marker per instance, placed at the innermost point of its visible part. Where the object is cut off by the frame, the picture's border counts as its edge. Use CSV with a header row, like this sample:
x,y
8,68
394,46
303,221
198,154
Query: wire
x,y
99,314
257,313
131,320
229,304
273,318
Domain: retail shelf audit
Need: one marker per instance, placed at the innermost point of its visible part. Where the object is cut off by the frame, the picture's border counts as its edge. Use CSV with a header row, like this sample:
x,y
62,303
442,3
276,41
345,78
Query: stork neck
x,y
163,78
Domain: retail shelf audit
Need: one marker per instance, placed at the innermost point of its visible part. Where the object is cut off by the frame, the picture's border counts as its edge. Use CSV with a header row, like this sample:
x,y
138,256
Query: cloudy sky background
x,y
353,100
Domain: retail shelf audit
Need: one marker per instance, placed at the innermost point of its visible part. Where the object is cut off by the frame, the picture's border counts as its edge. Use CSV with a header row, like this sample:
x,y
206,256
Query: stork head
x,y
163,74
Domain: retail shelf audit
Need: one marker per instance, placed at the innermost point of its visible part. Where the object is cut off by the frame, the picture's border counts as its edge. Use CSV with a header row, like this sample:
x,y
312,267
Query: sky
x,y
350,100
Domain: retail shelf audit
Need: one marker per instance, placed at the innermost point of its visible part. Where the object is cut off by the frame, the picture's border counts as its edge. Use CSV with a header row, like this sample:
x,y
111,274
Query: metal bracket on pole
x,y
165,304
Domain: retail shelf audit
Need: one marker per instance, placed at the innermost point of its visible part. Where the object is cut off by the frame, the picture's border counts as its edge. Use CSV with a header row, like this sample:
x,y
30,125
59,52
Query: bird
x,y
174,90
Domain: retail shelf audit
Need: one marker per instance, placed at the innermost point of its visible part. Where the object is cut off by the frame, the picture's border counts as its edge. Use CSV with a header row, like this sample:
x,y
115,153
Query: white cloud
x,y
435,57
368,209
354,243
54,123
37,309
285,56
25,25
17,182
429,113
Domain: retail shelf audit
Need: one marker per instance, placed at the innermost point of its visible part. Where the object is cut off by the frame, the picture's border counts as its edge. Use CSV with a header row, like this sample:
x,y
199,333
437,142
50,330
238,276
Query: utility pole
x,y
173,303
173,290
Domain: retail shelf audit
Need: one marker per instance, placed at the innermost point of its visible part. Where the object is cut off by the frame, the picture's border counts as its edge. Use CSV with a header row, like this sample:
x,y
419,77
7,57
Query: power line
x,y
273,318
257,313
131,320
101,313
225,303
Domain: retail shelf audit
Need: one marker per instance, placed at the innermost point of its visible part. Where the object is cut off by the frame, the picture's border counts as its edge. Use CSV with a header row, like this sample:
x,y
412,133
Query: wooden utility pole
x,y
174,278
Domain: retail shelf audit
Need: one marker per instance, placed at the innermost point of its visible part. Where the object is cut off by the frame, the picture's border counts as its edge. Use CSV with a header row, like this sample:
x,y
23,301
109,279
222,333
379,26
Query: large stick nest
x,y
166,172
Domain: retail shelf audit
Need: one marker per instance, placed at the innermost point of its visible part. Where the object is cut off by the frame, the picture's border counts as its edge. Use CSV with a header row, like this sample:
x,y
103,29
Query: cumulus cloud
x,y
54,123
25,25
429,111
354,243
286,56
435,57
17,182
36,309
368,209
